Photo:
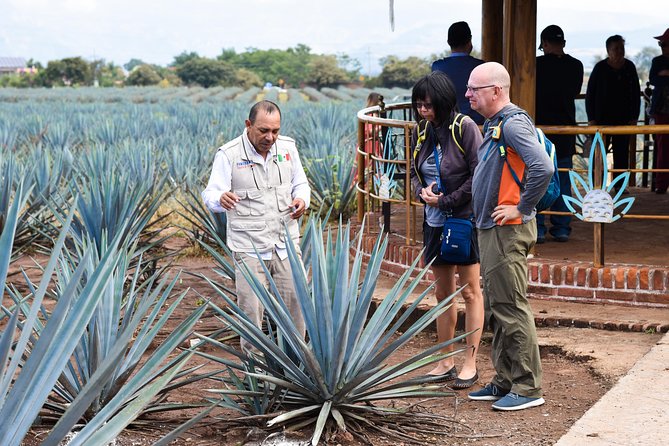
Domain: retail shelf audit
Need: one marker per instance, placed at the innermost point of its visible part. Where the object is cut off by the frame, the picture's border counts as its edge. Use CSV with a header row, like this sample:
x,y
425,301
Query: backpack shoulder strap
x,y
421,131
456,130
502,144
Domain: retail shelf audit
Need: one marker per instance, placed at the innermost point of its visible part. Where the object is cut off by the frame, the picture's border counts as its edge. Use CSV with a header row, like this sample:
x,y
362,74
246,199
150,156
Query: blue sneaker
x,y
489,393
513,401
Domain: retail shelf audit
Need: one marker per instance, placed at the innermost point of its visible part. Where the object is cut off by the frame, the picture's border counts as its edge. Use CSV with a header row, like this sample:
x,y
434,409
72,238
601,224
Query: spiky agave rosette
x,y
598,205
333,379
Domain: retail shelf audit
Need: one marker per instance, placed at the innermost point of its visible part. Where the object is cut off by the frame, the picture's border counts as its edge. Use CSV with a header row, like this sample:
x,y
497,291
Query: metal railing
x,y
374,128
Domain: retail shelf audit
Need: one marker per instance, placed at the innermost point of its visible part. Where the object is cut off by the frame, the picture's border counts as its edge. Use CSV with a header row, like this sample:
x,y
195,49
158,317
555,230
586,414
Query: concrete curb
x,y
634,412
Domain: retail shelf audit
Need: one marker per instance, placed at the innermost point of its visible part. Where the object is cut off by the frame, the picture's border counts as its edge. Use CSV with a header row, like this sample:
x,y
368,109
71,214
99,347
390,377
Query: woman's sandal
x,y
449,375
464,383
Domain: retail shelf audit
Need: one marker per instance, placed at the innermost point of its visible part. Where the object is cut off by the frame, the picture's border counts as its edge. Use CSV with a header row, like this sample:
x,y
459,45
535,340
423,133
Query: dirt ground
x,y
579,365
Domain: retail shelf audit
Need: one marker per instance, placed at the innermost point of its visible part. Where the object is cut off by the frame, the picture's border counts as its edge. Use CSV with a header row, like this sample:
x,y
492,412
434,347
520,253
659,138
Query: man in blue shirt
x,y
459,65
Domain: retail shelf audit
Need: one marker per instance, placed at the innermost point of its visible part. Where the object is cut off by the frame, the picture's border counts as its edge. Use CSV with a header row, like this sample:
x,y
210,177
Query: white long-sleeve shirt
x,y
220,180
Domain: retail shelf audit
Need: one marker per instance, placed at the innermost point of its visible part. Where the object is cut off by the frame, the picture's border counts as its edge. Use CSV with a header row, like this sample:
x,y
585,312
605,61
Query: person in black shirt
x,y
559,80
659,109
613,97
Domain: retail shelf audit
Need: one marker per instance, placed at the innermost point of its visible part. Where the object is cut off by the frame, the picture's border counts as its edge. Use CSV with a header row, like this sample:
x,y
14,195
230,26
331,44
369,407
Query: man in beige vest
x,y
259,181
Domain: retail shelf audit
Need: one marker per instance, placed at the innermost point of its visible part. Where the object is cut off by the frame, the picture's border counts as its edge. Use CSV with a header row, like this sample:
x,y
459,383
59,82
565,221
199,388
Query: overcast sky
x,y
156,31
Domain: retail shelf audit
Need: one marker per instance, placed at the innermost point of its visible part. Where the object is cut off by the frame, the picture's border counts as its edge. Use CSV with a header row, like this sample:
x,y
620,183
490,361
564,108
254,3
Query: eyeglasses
x,y
425,105
663,44
475,89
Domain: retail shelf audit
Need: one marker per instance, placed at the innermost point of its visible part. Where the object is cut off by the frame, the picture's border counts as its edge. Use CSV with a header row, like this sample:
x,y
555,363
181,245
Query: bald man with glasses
x,y
506,228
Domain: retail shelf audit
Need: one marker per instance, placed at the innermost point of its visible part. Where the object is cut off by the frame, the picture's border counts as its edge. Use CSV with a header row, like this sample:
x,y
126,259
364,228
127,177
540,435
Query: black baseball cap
x,y
552,33
459,34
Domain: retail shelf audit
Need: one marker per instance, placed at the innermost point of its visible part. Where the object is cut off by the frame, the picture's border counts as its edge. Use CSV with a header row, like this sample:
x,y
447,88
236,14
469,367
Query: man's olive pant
x,y
515,352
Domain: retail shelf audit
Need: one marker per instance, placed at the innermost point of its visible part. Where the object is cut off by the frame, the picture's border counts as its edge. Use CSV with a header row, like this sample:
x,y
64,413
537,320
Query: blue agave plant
x,y
337,376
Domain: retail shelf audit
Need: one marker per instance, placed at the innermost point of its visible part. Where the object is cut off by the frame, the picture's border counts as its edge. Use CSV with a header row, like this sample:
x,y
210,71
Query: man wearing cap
x,y
559,80
659,109
459,65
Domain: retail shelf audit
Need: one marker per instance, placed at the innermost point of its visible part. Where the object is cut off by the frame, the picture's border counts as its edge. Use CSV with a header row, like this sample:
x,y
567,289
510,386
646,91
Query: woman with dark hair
x,y
435,109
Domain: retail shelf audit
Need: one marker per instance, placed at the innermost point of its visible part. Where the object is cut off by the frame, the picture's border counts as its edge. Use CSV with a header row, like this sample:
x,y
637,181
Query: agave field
x,y
94,183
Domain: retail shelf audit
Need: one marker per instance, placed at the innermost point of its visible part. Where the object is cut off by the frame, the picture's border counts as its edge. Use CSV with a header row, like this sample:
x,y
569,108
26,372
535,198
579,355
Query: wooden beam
x,y
492,30
520,36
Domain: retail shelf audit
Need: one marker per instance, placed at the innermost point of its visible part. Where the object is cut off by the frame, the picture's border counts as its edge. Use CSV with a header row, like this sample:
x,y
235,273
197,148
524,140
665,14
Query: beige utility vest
x,y
257,220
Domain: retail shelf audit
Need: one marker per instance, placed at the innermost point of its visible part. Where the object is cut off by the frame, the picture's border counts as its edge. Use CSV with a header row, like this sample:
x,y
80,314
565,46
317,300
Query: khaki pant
x,y
282,277
515,352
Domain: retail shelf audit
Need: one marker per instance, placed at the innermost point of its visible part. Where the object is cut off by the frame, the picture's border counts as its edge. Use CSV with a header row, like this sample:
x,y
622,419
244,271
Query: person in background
x,y
372,143
659,109
559,80
613,97
258,180
434,102
507,231
459,65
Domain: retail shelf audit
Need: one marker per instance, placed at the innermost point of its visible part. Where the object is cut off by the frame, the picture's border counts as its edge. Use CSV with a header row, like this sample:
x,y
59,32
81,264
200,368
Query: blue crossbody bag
x,y
456,238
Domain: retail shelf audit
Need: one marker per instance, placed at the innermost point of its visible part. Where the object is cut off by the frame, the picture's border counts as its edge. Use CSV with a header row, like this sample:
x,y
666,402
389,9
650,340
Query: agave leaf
x,y
136,386
292,414
174,434
320,423
110,430
52,350
341,423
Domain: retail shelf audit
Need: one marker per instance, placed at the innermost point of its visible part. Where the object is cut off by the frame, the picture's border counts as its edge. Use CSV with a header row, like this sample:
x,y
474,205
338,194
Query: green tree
x,y
184,57
206,72
643,60
246,79
402,73
77,71
106,74
168,75
324,71
229,55
132,63
143,75
32,63
291,65
54,73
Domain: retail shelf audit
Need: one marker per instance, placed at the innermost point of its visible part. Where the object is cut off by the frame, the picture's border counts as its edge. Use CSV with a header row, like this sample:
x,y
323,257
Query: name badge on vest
x,y
244,164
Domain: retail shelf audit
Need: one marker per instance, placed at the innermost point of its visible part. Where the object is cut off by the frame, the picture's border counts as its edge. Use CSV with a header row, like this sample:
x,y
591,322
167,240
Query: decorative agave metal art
x,y
598,205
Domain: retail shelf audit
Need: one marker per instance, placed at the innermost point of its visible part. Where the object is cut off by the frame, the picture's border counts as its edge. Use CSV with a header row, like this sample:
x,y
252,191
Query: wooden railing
x,y
367,162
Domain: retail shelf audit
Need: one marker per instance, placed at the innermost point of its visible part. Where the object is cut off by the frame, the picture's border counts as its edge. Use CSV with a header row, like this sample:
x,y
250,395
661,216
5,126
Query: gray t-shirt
x,y
520,137
433,215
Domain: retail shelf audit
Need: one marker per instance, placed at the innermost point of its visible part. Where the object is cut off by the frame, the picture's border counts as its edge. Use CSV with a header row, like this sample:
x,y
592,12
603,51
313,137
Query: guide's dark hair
x,y
614,39
438,87
268,107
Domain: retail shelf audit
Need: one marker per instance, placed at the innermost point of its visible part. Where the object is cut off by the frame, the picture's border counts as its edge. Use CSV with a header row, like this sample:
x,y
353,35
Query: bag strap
x,y
457,137
502,145
436,161
449,212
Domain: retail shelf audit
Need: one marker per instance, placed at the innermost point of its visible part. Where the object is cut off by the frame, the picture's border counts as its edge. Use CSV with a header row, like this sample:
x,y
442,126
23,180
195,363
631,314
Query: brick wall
x,y
640,285
620,284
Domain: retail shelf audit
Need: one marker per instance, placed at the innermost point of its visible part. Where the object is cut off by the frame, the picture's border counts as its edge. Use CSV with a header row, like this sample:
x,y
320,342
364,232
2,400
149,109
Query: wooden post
x,y
492,30
520,36
631,156
598,237
361,171
407,182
